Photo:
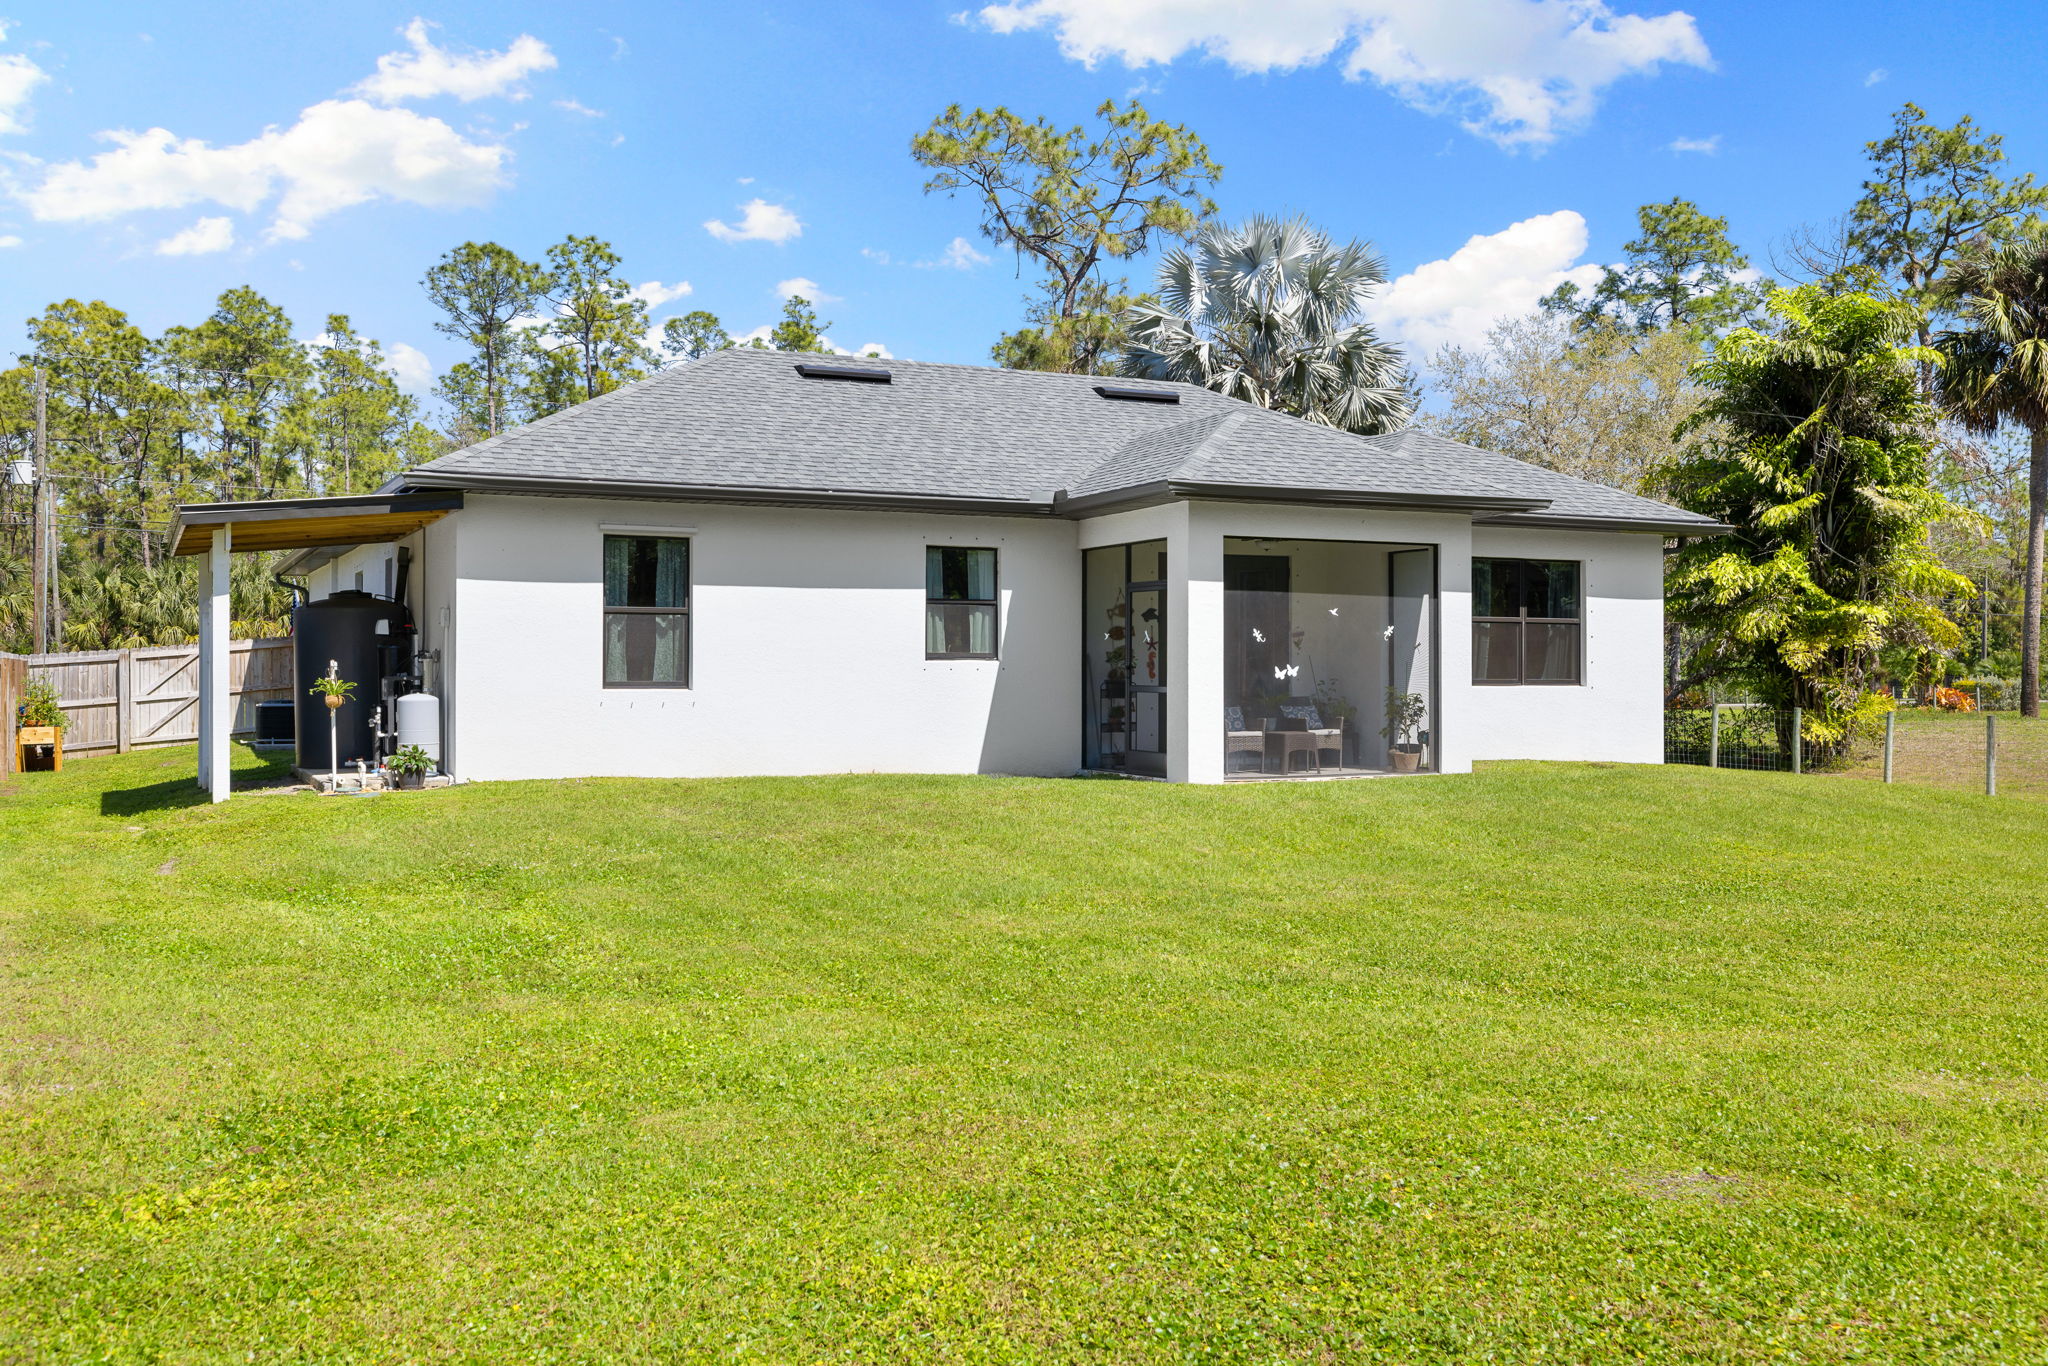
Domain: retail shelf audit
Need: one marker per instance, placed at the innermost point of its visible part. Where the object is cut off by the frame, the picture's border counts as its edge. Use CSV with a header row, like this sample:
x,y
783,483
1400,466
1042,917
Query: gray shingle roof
x,y
745,420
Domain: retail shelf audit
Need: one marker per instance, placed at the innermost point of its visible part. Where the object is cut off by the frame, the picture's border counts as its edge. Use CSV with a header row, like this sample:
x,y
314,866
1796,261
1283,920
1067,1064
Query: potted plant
x,y
412,765
40,720
1405,713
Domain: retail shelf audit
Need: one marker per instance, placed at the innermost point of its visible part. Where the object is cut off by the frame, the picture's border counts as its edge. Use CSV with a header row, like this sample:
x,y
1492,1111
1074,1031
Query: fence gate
x,y
118,700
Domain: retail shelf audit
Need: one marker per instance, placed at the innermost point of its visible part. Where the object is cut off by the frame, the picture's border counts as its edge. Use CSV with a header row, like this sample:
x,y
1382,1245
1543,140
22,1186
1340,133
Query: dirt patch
x,y
2031,1092
1696,1185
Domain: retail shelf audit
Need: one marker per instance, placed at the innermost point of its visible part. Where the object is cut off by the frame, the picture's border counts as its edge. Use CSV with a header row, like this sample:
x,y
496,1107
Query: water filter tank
x,y
419,723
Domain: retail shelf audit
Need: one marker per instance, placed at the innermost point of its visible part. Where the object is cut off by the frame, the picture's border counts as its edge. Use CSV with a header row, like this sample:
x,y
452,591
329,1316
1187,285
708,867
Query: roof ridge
x,y
1225,428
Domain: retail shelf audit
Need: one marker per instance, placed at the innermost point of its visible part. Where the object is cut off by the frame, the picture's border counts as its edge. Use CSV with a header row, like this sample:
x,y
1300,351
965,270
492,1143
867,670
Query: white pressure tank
x,y
419,723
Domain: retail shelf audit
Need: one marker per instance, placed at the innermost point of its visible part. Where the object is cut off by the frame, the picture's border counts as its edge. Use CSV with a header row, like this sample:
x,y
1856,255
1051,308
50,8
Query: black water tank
x,y
341,627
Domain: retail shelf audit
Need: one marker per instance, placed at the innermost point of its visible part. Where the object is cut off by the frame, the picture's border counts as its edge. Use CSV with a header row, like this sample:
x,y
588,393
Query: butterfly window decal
x,y
1286,670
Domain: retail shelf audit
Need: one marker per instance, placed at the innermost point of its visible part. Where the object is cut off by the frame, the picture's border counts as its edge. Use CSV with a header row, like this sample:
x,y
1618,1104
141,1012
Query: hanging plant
x,y
334,687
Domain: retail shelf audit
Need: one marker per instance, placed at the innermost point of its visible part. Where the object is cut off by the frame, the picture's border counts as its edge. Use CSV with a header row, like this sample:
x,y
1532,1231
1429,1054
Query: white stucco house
x,y
762,563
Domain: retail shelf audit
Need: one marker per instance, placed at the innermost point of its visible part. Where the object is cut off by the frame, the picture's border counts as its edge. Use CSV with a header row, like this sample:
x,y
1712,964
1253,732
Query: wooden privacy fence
x,y
13,682
118,700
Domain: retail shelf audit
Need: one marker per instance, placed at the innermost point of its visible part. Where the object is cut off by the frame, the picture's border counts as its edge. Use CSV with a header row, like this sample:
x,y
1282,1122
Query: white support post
x,y
216,716
204,668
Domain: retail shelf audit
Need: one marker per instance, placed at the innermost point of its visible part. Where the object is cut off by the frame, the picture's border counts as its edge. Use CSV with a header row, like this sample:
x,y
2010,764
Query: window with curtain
x,y
960,603
1526,621
646,612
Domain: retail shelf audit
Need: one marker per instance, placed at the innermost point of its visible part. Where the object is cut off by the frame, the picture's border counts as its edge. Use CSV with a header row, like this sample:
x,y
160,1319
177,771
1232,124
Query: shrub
x,y
1954,699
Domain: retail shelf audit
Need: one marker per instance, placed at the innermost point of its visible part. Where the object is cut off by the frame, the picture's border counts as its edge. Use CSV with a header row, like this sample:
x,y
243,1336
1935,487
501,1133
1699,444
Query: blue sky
x,y
328,154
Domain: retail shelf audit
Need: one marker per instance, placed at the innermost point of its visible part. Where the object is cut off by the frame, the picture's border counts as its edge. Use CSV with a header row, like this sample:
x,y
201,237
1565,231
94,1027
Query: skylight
x,y
1132,395
866,374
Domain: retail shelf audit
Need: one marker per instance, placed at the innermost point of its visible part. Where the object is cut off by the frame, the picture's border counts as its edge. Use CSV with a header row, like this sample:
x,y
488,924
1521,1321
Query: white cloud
x,y
746,180
409,366
1704,146
428,71
654,293
766,331
19,78
579,107
760,221
1876,77
339,153
799,287
203,238
10,240
1520,72
958,255
1502,275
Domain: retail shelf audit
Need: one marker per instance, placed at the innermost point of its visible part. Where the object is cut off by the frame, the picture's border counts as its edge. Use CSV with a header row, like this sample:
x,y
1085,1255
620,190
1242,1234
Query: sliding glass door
x,y
1124,658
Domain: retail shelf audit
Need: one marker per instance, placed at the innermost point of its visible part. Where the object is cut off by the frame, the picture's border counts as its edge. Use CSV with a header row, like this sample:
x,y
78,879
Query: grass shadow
x,y
166,796
266,770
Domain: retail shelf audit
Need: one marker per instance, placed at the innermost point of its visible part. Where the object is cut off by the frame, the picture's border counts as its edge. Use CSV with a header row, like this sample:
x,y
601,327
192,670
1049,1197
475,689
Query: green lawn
x,y
1555,1062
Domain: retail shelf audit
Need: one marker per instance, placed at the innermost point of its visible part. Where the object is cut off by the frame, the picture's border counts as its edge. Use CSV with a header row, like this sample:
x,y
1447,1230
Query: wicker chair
x,y
1238,739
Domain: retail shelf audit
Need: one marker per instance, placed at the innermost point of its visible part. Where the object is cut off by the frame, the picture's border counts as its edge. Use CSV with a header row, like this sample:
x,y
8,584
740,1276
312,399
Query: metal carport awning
x,y
297,523
213,531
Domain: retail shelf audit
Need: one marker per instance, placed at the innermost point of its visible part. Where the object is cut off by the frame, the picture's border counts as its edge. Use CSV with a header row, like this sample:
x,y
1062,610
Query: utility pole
x,y
1984,638
39,527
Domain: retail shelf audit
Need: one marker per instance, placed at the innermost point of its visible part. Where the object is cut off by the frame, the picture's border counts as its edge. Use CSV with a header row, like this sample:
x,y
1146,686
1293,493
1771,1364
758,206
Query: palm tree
x,y
1269,312
1995,369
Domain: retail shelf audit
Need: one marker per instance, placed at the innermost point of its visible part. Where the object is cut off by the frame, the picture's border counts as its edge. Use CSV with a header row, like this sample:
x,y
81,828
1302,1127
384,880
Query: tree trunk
x,y
2030,625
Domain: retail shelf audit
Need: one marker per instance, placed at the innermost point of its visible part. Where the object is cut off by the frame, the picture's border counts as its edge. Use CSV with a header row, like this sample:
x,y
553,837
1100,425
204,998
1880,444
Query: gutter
x,y
878,500
1170,490
1560,522
1485,509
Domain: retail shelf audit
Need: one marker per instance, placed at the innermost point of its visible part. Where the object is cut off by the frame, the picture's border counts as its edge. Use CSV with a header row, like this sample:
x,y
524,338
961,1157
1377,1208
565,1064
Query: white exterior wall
x,y
806,646
1616,714
807,640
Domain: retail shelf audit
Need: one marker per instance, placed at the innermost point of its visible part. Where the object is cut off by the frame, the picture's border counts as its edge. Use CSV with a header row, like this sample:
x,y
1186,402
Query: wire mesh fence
x,y
1735,735
1997,753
